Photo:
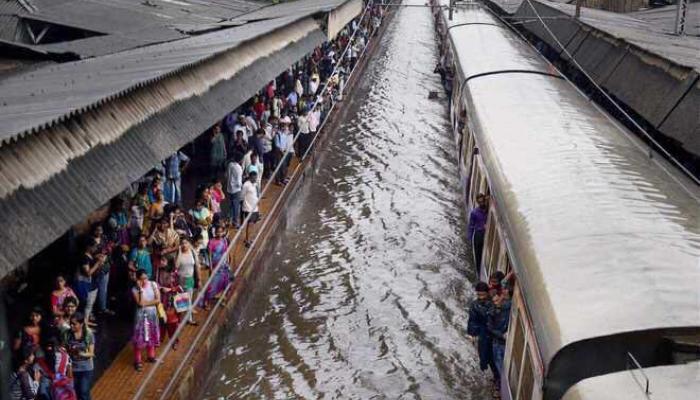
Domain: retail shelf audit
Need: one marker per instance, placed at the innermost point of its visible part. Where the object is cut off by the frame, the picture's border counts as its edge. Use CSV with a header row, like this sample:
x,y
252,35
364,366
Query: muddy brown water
x,y
365,295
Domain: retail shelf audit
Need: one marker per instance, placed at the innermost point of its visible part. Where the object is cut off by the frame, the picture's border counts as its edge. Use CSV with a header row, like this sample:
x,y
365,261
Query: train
x,y
602,233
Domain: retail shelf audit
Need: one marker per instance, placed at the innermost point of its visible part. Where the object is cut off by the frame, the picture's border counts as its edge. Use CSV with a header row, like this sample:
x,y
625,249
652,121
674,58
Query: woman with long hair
x,y
30,334
79,341
24,382
146,322
59,295
217,250
186,265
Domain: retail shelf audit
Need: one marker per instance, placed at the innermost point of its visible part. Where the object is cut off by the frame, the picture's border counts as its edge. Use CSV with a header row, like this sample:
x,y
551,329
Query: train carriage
x,y
602,233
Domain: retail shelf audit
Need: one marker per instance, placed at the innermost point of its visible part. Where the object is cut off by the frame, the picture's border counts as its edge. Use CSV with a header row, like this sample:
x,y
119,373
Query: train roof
x,y
605,234
677,382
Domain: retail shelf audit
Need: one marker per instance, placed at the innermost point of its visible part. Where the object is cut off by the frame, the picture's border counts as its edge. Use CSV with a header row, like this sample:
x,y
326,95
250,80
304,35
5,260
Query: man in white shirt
x,y
234,183
304,132
241,126
249,194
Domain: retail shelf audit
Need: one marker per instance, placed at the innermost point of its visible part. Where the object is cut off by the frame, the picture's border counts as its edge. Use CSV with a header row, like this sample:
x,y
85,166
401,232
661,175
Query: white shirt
x,y
290,141
314,120
242,128
234,177
303,123
249,194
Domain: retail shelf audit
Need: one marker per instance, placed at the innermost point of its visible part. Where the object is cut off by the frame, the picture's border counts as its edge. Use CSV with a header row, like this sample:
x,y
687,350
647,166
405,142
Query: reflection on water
x,y
366,295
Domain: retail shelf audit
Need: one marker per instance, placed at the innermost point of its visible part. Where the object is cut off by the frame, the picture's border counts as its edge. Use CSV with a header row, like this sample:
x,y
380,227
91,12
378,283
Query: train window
x,y
527,379
516,357
491,223
475,179
508,266
495,252
467,148
502,260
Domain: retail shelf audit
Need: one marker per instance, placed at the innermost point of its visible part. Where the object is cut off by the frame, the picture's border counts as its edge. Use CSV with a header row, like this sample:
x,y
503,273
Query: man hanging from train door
x,y
477,229
477,329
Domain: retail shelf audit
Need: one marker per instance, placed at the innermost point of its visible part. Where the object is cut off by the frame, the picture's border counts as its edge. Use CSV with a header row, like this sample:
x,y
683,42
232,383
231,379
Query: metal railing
x,y
634,366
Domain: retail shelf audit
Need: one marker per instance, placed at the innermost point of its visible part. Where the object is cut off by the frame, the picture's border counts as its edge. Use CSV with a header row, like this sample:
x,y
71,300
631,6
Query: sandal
x,y
138,367
151,360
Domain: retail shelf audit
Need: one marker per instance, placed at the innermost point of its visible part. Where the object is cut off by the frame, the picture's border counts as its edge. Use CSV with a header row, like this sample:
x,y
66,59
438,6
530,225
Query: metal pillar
x,y
578,9
681,14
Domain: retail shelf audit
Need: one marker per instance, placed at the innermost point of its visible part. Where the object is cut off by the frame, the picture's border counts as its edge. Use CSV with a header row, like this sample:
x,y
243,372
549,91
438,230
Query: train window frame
x,y
526,382
468,148
518,343
495,250
475,179
502,258
491,228
509,263
520,315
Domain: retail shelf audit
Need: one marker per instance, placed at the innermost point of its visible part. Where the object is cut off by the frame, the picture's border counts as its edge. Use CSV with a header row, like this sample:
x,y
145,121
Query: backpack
x,y
62,389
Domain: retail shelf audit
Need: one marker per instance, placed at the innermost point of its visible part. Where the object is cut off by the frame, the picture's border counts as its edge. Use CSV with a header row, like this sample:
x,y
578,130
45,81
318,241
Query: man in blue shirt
x,y
173,170
282,145
292,99
477,228
477,327
497,325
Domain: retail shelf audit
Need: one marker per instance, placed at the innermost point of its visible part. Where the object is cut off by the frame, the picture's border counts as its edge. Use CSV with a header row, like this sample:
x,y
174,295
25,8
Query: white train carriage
x,y
604,238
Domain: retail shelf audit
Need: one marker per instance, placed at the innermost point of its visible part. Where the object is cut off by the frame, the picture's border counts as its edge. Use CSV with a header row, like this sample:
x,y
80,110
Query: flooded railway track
x,y
365,295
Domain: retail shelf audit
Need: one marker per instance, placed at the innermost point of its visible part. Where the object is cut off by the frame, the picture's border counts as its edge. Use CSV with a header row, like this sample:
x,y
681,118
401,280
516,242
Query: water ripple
x,y
365,296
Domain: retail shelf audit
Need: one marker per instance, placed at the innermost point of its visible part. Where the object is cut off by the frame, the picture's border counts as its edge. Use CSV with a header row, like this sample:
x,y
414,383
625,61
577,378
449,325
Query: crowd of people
x,y
489,315
152,253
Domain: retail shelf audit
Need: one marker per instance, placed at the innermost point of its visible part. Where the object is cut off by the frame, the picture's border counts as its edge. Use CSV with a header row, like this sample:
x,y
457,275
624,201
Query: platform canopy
x,y
82,119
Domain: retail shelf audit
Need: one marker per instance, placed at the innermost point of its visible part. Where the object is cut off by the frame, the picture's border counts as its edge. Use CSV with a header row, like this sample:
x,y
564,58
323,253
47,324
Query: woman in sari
x,y
217,248
157,210
146,325
140,206
59,295
155,188
118,223
202,217
217,155
30,334
187,267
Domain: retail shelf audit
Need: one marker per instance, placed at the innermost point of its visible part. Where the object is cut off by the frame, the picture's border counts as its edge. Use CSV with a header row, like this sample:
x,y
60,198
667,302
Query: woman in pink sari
x,y
217,250
60,293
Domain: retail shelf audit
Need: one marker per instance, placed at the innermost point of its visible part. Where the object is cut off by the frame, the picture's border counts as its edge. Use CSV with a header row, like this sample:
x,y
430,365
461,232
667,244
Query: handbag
x,y
161,312
181,302
159,306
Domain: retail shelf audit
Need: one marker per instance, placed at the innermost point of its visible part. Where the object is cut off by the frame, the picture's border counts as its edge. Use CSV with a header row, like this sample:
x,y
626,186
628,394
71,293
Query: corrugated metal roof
x,y
43,213
123,23
38,98
303,8
651,30
8,20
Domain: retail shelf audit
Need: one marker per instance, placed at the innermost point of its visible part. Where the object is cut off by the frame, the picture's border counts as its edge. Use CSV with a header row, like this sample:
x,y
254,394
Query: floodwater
x,y
366,294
